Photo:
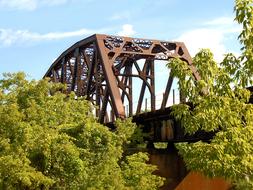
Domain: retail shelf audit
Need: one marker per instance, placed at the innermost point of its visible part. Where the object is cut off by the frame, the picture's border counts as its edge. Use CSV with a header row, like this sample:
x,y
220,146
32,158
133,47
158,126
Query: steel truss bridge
x,y
101,68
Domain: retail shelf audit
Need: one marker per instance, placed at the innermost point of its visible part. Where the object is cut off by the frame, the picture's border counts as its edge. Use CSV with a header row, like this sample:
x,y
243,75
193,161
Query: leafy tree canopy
x,y
220,103
52,141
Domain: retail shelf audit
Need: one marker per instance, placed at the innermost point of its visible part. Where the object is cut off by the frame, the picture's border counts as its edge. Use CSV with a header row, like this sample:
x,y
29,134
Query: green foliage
x,y
244,16
51,141
219,103
138,175
224,103
161,145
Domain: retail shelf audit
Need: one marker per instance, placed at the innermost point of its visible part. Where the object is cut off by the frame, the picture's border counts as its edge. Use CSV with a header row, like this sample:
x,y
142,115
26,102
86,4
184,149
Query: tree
x,y
220,103
50,140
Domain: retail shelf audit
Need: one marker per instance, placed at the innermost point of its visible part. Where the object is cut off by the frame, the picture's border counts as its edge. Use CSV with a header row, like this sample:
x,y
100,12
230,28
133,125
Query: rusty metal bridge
x,y
103,68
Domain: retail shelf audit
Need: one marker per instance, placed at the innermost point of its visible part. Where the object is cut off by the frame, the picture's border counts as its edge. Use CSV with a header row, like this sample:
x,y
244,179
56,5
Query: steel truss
x,y
100,67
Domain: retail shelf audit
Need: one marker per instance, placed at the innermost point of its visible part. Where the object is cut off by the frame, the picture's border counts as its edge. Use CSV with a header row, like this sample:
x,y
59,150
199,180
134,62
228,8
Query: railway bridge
x,y
118,75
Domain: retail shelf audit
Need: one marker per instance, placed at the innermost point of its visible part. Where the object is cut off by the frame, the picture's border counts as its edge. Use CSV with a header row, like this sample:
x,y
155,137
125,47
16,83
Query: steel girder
x,y
100,68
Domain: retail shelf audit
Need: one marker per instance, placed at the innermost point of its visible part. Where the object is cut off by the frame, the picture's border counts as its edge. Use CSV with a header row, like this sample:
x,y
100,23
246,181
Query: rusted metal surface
x,y
100,67
197,181
170,166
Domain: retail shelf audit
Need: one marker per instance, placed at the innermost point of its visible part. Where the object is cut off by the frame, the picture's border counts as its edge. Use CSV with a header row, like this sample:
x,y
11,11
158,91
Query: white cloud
x,y
29,5
220,21
127,30
19,4
10,37
212,35
53,2
204,38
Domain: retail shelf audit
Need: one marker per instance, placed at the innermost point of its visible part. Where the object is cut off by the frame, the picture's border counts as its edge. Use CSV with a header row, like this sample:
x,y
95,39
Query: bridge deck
x,y
162,127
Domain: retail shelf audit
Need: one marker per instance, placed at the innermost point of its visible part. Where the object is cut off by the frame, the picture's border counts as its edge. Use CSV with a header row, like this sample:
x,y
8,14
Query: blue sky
x,y
34,32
